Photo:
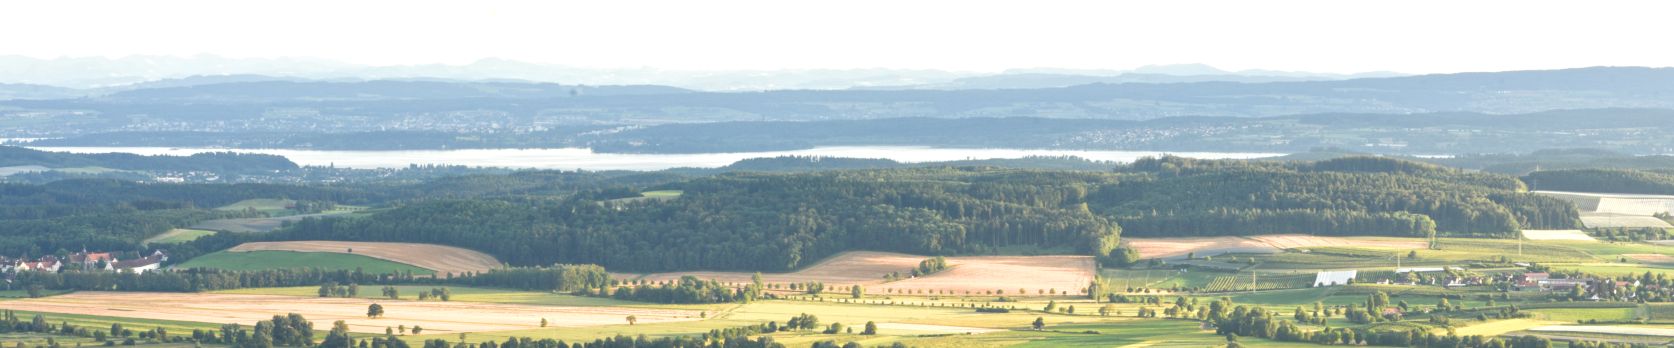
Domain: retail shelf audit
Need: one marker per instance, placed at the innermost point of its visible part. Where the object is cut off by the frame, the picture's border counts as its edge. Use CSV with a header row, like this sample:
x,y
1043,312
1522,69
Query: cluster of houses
x,y
83,261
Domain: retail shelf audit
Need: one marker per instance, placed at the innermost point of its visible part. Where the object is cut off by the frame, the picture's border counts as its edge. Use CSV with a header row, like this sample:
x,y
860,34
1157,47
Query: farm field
x,y
859,267
1660,312
264,260
176,236
981,273
435,316
662,193
1500,327
1615,203
486,295
1179,248
438,258
1608,329
1611,269
1614,220
1651,258
966,273
267,205
1572,235
1176,248
259,225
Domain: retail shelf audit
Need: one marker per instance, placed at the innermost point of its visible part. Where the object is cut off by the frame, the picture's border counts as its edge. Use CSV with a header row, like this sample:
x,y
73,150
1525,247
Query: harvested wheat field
x,y
1176,248
976,274
1293,241
434,316
1651,258
855,267
1571,235
1593,220
973,273
442,259
1616,203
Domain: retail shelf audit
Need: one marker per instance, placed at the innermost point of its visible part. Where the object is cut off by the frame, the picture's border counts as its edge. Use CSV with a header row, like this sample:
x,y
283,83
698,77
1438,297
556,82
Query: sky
x,y
1335,36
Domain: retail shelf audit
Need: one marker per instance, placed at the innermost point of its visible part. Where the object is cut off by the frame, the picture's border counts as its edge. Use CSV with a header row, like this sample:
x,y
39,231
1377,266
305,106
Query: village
x,y
84,261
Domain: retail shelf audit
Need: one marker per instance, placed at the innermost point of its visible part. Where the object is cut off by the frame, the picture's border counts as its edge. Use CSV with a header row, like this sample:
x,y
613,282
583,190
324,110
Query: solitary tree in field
x,y
871,329
374,311
1040,323
632,320
543,322
855,291
417,329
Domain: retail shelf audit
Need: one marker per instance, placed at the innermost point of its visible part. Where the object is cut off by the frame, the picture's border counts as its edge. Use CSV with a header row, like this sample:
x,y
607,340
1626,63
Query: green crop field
x,y
1612,269
177,236
1573,314
1122,279
1661,312
260,260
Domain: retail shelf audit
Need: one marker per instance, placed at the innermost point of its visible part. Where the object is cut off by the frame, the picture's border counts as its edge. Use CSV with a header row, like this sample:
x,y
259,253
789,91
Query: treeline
x,y
197,280
819,163
220,162
752,221
561,278
688,289
1254,321
1344,196
1604,181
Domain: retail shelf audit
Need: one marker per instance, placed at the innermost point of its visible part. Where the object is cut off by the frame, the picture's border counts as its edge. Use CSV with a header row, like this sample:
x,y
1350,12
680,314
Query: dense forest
x,y
1604,180
102,214
1345,196
775,221
222,162
752,221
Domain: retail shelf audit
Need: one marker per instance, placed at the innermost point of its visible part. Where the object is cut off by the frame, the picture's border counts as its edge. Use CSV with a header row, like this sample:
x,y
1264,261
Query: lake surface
x,y
579,158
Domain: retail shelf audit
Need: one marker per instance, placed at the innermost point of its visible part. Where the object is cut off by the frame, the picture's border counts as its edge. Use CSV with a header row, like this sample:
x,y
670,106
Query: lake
x,y
580,158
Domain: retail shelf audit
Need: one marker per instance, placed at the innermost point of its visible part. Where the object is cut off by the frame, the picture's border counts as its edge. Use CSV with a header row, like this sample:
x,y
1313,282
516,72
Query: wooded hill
x,y
1345,196
776,222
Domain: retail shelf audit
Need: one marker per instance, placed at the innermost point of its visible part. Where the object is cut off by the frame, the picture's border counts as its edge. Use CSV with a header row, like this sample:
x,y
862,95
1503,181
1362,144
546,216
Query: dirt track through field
x,y
967,273
442,259
1176,248
434,316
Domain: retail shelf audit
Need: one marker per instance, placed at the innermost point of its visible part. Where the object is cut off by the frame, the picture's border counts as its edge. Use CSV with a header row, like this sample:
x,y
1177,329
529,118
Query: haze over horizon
x,y
964,37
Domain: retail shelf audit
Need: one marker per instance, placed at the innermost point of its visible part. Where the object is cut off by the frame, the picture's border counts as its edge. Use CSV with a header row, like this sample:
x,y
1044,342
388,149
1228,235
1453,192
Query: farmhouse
x,y
45,264
92,261
143,264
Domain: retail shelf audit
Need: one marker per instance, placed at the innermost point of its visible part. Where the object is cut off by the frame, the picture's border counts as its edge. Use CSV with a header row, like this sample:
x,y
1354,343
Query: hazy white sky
x,y
1324,36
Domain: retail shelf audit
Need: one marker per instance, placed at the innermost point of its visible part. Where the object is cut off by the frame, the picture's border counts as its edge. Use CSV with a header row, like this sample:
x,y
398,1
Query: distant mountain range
x,y
1406,114
98,75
